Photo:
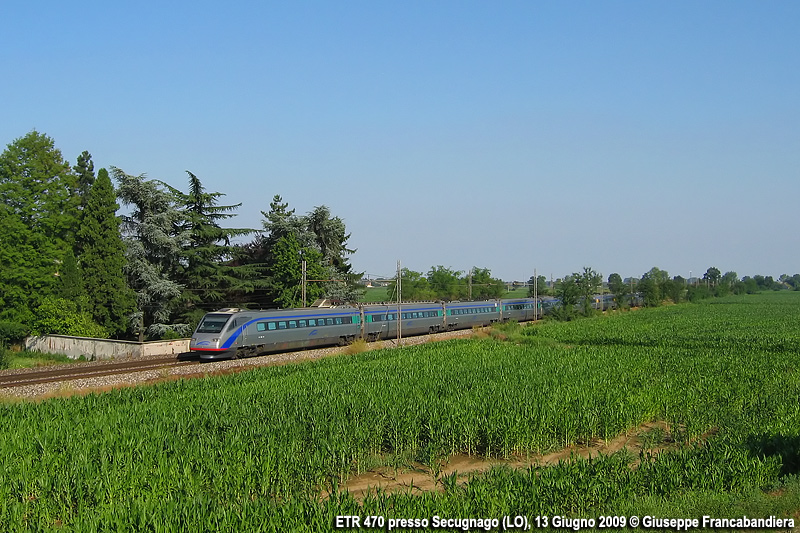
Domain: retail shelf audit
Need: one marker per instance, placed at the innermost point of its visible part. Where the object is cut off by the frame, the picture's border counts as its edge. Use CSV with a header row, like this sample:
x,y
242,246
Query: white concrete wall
x,y
96,349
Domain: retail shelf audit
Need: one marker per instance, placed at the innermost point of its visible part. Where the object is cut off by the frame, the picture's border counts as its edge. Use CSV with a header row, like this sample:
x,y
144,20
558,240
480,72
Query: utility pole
x,y
399,304
305,275
601,292
469,290
535,295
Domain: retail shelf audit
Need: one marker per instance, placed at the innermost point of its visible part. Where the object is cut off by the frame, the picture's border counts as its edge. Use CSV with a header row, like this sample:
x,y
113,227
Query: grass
x,y
25,359
376,294
255,450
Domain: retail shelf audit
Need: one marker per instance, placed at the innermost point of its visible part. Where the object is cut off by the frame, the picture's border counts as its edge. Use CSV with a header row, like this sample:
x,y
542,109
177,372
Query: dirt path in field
x,y
417,478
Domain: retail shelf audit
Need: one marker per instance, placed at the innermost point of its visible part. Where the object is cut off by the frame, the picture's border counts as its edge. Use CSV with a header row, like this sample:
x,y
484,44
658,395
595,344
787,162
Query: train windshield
x,y
212,323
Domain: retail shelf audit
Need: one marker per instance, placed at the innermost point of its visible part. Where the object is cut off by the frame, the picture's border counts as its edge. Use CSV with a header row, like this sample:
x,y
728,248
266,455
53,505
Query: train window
x,y
212,323
272,326
328,321
281,325
312,322
301,323
292,324
338,320
261,326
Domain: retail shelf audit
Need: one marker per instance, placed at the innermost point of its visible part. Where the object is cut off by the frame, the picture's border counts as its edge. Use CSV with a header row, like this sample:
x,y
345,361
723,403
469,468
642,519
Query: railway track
x,y
134,370
82,371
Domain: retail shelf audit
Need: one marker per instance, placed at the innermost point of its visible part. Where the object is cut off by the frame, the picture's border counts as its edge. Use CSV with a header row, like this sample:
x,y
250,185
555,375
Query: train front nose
x,y
201,342
209,348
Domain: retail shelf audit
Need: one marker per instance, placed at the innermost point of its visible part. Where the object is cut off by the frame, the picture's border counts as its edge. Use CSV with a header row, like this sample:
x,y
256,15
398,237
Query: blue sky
x,y
506,135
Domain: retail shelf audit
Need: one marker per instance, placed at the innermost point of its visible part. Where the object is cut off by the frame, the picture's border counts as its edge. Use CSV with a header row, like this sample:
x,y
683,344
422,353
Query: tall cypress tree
x,y
103,257
84,173
71,282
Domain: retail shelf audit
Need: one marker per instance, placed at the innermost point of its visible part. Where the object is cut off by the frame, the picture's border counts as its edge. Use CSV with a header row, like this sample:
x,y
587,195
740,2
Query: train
x,y
232,333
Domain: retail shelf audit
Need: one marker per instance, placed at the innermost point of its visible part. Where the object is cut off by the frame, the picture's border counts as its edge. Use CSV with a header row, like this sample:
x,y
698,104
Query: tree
x,y
84,174
39,186
59,316
651,286
793,282
541,286
71,285
102,260
154,238
484,286
568,293
415,287
674,289
37,216
330,236
208,273
588,283
726,283
712,275
618,288
286,276
316,231
445,283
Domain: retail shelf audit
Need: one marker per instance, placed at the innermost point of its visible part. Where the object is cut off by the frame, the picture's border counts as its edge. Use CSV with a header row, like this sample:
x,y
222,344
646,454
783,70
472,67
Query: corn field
x,y
264,449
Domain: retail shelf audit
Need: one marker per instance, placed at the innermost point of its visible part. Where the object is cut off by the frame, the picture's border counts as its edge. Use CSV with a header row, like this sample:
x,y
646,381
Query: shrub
x,y
58,316
12,332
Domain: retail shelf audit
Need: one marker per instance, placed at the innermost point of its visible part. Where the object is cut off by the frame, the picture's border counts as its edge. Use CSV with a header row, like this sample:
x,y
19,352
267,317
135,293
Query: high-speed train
x,y
231,333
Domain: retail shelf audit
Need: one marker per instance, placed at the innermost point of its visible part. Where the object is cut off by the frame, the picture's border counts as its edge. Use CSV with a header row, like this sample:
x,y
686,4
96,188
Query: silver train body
x,y
232,333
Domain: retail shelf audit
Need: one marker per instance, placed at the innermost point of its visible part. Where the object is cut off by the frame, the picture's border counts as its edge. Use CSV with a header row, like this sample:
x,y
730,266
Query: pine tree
x,y
330,236
210,276
103,258
154,237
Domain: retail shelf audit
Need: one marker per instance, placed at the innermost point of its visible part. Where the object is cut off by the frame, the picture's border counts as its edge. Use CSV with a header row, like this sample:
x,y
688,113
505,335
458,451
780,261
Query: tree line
x,y
575,291
443,283
70,264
